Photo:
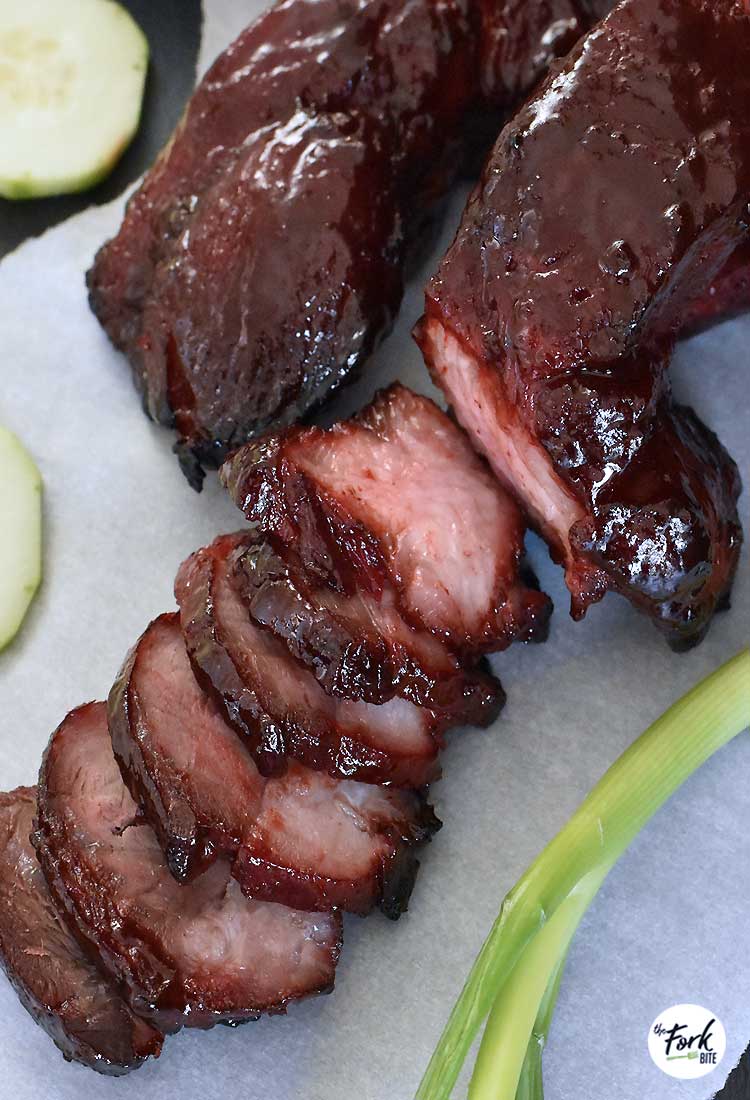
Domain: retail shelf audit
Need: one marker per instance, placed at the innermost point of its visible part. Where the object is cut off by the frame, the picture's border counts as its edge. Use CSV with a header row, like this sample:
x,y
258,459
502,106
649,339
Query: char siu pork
x,y
79,1007
262,258
728,294
186,955
395,501
359,646
610,203
304,839
276,704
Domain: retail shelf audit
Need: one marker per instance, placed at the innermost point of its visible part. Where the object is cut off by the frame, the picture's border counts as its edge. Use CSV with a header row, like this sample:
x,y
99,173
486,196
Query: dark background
x,y
173,29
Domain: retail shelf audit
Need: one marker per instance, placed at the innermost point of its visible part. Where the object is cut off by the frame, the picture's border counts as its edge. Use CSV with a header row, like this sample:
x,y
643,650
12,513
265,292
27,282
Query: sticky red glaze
x,y
276,703
609,204
359,646
191,955
79,1007
304,839
262,258
396,497
728,294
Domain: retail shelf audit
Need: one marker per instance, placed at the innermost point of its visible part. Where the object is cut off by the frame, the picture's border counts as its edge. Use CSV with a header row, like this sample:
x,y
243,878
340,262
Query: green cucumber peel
x,y
20,534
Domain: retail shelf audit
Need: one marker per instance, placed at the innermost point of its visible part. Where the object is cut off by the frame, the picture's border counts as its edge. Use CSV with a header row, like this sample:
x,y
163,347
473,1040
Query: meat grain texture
x,y
79,1007
606,218
304,838
201,833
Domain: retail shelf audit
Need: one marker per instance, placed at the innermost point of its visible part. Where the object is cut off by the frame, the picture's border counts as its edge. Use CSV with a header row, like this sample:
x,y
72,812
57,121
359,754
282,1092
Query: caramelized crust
x,y
359,646
304,839
191,955
276,703
396,498
728,294
79,1007
609,205
262,258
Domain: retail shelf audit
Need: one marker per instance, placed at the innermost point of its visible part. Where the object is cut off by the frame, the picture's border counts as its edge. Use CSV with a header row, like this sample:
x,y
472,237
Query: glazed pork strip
x,y
727,296
359,646
186,955
285,189
79,1007
304,839
262,258
609,204
276,704
395,498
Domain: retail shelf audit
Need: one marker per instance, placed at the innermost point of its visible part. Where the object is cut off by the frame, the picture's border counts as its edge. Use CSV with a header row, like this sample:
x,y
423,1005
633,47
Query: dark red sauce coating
x,y
728,294
190,955
262,258
394,505
276,704
359,647
79,1007
610,203
305,840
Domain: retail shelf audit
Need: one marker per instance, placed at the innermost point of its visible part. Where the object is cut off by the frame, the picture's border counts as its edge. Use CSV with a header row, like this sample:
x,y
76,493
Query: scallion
x,y
520,963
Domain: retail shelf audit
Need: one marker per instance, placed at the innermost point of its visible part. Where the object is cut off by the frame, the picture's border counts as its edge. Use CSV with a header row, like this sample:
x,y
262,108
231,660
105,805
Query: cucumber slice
x,y
72,74
20,534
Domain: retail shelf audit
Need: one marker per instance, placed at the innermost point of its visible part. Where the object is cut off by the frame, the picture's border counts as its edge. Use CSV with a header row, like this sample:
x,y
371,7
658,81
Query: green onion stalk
x,y
516,976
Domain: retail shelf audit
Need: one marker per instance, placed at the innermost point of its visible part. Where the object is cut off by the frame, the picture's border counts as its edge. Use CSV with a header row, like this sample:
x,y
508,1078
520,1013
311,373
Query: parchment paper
x,y
671,925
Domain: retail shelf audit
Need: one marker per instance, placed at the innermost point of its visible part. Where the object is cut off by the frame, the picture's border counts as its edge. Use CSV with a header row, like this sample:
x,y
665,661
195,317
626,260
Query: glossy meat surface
x,y
191,955
519,40
187,770
396,496
360,646
262,257
728,294
276,703
79,1008
551,320
261,260
304,839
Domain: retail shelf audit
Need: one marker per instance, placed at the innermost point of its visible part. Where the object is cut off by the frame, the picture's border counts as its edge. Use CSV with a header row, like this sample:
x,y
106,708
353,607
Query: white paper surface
x,y
670,925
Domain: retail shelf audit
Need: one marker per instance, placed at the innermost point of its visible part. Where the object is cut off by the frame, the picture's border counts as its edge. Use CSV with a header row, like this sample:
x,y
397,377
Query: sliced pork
x,y
359,646
610,203
79,1007
395,497
304,839
191,955
262,258
276,703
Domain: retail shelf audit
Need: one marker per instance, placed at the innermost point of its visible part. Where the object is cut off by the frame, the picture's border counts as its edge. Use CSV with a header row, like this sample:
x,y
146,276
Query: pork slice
x,y
321,842
77,1005
186,955
191,774
551,321
396,496
276,703
304,839
360,647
